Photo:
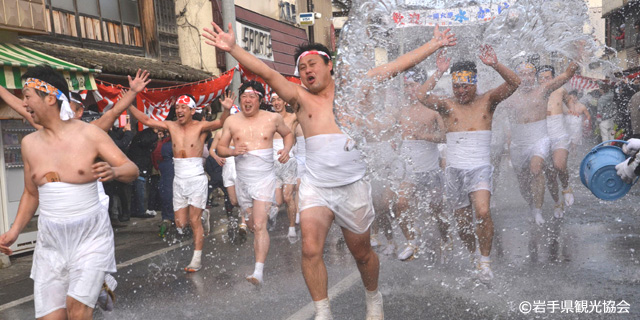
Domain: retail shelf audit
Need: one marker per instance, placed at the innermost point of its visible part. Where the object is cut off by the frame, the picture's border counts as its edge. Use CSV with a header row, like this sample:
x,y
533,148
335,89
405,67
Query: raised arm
x,y
410,59
26,209
288,139
16,104
226,100
226,41
422,93
136,86
116,165
561,79
512,81
144,119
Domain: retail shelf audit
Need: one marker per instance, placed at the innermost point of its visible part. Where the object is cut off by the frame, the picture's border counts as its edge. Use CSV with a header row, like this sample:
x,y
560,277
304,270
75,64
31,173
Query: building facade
x,y
626,44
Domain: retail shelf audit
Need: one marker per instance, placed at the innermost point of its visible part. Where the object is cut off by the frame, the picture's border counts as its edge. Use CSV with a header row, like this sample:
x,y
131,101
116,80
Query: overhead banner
x,y
158,101
450,16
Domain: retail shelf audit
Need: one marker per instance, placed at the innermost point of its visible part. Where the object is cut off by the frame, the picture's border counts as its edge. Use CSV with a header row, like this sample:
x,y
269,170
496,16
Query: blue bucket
x,y
598,172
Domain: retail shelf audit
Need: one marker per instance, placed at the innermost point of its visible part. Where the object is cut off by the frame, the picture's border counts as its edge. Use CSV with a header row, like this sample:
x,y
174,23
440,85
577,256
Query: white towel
x,y
331,161
468,149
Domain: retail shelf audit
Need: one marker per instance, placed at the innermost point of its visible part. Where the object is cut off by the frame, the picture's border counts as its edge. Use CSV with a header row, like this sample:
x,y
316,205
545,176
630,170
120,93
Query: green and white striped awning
x,y
16,59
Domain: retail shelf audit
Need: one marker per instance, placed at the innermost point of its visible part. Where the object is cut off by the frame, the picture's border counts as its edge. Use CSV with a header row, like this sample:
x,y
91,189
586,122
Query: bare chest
x,y
468,118
187,142
69,161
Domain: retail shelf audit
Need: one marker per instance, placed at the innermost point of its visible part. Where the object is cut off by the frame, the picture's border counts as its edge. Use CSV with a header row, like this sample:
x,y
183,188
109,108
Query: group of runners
x,y
322,181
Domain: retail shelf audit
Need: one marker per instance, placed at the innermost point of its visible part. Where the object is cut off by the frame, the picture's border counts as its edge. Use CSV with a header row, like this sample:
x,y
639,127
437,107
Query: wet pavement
x,y
591,258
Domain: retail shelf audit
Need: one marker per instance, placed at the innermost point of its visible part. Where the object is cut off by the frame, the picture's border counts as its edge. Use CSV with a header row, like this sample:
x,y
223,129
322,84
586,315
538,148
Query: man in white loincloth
x,y
252,132
286,173
468,180
577,119
190,182
530,143
75,247
333,187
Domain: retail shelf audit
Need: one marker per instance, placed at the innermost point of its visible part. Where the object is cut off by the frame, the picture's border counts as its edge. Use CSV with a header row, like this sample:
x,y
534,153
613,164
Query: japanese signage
x,y
255,40
450,16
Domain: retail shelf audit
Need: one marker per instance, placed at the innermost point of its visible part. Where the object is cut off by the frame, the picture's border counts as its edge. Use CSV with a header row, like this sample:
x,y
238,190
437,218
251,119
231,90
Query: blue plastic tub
x,y
598,172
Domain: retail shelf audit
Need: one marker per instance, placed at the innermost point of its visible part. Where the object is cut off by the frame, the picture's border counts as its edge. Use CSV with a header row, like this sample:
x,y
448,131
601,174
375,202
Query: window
x,y
614,36
287,11
114,21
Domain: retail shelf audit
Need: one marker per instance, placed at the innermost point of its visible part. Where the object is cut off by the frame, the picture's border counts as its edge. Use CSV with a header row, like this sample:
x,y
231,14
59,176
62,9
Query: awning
x,y
16,59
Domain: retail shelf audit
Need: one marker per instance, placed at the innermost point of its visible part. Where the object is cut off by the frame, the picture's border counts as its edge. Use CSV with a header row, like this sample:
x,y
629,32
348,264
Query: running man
x,y
467,118
286,173
559,140
190,182
60,179
333,187
252,131
530,142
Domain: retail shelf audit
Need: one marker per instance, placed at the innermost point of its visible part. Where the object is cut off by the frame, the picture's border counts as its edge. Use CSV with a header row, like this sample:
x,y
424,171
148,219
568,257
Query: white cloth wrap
x,y
229,172
189,184
301,156
468,149
419,156
278,144
74,239
332,162
255,177
558,134
528,140
574,128
286,173
384,163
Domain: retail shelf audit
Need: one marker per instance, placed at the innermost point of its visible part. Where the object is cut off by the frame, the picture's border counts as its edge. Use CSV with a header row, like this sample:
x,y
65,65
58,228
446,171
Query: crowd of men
x,y
302,159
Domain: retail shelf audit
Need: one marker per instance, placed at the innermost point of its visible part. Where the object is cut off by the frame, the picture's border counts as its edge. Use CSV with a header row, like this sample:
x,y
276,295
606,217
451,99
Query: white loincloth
x,y
574,128
419,156
557,133
229,172
104,198
459,183
529,140
468,149
301,156
74,248
190,184
286,173
334,180
255,177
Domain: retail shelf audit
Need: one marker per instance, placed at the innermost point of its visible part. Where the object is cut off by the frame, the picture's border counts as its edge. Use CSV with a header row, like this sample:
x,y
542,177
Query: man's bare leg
x,y
464,218
560,157
536,168
60,314
481,200
261,239
369,267
181,219
198,238
78,310
403,208
446,245
314,227
292,209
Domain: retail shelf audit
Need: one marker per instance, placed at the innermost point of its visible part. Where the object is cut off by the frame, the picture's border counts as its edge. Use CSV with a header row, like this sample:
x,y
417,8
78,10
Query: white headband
x,y
250,90
306,53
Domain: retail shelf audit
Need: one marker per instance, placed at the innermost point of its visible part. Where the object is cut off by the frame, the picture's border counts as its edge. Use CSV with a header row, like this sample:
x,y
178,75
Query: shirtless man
x,y
252,133
529,140
577,119
190,182
423,181
286,173
559,138
60,179
333,187
301,158
467,118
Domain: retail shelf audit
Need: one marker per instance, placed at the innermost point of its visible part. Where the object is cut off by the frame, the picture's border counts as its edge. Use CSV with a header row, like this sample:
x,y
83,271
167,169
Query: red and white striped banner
x,y
247,75
581,83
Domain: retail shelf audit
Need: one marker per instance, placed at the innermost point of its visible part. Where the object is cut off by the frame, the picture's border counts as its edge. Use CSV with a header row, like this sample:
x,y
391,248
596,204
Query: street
x,y
590,258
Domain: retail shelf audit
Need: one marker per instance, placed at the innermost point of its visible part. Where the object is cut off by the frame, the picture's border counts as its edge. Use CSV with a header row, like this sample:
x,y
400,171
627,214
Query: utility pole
x,y
229,16
310,9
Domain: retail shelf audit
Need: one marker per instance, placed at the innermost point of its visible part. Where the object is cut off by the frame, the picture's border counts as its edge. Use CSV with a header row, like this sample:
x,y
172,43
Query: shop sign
x,y
254,40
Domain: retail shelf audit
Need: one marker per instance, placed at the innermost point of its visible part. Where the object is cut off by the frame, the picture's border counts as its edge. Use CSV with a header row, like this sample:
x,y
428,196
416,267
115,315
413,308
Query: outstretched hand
x,y
224,41
140,82
442,62
488,55
443,38
226,100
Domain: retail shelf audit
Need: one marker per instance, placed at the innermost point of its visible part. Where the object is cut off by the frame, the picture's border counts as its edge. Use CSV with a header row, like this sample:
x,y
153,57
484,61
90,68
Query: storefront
x,y
16,59
273,41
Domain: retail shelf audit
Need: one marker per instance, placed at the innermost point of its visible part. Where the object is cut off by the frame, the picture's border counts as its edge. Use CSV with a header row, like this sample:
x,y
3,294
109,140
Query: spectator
x,y
165,165
153,203
605,113
636,27
620,38
622,94
140,150
117,191
634,110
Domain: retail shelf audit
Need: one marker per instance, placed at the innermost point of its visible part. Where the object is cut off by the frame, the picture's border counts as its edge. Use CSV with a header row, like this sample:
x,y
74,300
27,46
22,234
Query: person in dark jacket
x,y
165,165
116,190
139,152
